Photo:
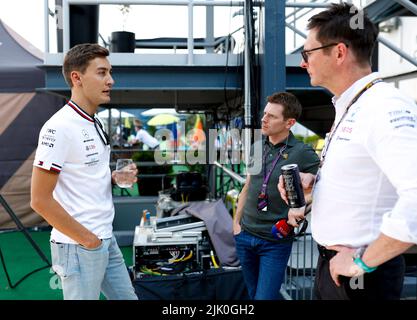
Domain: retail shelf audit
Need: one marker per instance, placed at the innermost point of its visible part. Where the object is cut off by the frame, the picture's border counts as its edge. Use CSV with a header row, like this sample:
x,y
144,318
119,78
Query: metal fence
x,y
299,277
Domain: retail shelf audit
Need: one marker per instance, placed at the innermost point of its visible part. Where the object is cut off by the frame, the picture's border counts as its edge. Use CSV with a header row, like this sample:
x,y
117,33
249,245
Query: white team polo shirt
x,y
368,182
69,145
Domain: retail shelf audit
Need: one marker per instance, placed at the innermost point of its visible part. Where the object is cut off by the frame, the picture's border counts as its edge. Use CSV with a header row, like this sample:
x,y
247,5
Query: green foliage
x,y
311,140
148,156
143,156
299,137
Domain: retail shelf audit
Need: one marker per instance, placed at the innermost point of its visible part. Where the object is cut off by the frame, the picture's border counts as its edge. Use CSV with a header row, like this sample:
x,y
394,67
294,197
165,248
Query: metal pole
x,y
247,95
397,50
409,5
311,267
196,3
231,173
295,26
163,2
46,29
293,13
190,41
304,13
295,30
66,24
296,271
274,72
307,5
304,266
210,28
299,9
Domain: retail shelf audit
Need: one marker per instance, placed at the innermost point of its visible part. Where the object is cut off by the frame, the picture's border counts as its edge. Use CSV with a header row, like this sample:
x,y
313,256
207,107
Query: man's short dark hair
x,y
291,106
79,57
335,25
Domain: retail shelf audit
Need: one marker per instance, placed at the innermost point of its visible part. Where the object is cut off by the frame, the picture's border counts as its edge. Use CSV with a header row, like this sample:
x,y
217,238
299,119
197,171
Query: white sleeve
x,y
53,146
393,146
146,138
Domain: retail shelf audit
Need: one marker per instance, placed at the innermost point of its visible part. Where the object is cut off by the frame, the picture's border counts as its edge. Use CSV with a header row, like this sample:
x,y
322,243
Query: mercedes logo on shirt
x,y
85,134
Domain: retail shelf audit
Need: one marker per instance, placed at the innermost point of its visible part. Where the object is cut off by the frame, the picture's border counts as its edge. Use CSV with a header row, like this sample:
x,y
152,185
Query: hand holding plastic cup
x,y
125,174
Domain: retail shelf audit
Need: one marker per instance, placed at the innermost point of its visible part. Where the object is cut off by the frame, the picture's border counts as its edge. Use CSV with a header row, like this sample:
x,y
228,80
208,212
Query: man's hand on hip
x,y
236,228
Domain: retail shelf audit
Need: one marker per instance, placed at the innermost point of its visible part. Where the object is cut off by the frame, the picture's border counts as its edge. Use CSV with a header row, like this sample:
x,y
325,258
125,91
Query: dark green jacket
x,y
259,223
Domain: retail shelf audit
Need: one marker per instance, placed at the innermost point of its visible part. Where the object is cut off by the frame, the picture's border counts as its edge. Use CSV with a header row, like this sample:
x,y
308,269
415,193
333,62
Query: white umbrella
x,y
156,111
115,114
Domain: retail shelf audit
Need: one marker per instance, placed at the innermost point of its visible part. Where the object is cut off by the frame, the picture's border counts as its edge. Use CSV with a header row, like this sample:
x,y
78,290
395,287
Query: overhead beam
x,y
409,5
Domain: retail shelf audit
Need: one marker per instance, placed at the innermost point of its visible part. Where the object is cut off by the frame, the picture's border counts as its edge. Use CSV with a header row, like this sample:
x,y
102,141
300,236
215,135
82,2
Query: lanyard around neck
x,y
334,127
268,176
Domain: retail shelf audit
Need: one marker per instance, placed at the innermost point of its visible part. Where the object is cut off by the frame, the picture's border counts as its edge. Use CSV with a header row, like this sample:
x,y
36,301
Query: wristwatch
x,y
357,259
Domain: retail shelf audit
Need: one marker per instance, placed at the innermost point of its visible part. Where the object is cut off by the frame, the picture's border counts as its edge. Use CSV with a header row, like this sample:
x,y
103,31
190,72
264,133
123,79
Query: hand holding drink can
x,y
293,187
295,197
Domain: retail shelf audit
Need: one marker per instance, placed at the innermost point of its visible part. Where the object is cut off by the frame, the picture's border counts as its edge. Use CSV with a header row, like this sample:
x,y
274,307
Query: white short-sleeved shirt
x,y
144,137
368,182
69,145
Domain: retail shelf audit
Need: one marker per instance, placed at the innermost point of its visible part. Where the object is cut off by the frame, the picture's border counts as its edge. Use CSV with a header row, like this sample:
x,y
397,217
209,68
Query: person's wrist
x,y
94,243
357,259
359,262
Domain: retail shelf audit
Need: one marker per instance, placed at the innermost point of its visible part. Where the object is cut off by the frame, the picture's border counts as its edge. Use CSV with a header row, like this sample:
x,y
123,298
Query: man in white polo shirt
x,y
71,184
143,136
364,213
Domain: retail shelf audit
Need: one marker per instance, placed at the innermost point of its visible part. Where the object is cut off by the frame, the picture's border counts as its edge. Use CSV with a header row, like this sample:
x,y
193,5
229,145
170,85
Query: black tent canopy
x,y
23,111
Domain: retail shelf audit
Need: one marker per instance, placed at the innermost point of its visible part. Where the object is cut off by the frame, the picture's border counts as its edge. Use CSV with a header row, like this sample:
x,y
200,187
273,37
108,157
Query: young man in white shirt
x,y
71,184
364,212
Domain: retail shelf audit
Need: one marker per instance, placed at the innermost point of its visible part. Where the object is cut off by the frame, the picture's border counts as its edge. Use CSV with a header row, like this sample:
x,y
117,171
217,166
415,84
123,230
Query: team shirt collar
x,y
80,111
291,141
340,103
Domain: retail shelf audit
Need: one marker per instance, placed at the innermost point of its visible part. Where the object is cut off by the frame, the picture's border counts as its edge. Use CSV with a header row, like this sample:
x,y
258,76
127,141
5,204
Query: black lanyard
x,y
334,127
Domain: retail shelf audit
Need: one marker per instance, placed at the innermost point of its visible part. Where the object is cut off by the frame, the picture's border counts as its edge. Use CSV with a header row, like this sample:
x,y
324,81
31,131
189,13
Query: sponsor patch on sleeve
x,y
402,118
51,149
48,138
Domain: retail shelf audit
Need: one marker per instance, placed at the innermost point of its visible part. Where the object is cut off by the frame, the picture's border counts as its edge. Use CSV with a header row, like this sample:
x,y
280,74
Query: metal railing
x,y
190,44
406,3
299,277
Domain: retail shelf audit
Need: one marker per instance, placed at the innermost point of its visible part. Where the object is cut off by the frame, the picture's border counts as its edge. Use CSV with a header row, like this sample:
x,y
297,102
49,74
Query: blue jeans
x,y
263,265
85,273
